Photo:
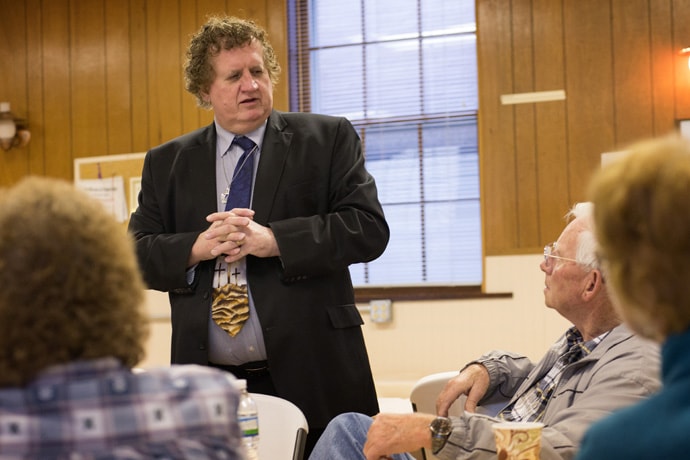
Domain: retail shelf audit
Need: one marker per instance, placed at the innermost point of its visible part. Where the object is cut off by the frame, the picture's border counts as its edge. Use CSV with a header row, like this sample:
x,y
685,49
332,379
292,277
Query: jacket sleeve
x,y
507,371
338,222
162,249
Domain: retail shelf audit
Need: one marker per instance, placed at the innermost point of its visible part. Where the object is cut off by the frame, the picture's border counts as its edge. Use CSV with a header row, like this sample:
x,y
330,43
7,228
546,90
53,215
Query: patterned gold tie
x,y
230,307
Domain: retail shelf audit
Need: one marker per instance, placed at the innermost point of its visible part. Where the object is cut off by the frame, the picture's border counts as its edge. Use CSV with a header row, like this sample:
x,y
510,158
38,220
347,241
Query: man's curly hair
x,y
71,288
223,33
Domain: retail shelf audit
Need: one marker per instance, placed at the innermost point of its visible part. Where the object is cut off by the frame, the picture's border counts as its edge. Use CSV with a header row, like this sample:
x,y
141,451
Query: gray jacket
x,y
622,370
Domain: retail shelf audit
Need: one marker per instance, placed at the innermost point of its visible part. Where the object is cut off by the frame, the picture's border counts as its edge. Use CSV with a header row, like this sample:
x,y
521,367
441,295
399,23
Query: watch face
x,y
441,426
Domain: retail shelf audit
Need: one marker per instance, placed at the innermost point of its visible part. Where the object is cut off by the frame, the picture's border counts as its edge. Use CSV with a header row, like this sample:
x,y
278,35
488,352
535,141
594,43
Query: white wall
x,y
435,336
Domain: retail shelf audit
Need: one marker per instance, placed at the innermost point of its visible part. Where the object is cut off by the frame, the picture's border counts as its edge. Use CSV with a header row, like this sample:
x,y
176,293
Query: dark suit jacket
x,y
313,191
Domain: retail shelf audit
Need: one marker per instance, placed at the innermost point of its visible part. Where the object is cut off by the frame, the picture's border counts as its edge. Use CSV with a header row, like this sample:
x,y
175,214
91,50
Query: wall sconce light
x,y
686,52
13,131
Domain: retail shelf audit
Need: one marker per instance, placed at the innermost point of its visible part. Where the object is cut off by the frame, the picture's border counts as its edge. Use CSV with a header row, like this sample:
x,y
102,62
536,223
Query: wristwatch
x,y
440,428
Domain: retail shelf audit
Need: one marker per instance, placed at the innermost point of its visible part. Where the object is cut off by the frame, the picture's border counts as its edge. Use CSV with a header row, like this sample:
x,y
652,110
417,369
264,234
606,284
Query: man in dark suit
x,y
283,259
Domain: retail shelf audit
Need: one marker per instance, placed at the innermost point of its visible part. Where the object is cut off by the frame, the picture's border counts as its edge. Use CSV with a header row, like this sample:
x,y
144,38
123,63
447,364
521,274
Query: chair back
x,y
423,398
282,428
426,390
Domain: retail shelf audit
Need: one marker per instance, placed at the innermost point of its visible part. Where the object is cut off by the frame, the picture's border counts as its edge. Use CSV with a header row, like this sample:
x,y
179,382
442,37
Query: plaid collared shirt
x,y
531,405
101,410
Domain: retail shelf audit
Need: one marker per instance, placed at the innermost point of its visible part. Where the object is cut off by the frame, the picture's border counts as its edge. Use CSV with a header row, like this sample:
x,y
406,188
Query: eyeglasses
x,y
549,250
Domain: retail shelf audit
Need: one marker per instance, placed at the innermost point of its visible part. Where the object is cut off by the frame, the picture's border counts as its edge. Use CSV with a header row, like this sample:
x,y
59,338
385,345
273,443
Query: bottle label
x,y
249,424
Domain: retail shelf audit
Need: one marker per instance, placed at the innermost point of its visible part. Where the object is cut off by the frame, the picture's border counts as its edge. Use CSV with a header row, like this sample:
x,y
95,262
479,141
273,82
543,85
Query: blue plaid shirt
x,y
101,410
531,405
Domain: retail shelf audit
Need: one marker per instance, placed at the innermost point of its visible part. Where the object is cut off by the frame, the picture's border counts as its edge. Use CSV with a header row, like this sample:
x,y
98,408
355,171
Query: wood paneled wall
x,y
103,77
619,64
97,77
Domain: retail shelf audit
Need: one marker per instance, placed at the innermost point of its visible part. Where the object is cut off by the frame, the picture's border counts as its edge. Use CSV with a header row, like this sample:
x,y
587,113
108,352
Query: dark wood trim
x,y
366,294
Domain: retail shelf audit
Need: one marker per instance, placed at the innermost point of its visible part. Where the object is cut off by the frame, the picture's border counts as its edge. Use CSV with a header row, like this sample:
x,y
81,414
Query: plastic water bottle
x,y
248,418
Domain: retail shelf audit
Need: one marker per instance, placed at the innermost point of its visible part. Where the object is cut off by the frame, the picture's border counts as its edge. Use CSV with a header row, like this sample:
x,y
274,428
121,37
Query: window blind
x,y
404,72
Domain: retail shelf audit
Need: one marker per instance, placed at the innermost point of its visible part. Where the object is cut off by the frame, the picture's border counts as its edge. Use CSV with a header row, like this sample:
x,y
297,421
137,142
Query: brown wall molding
x,y
363,295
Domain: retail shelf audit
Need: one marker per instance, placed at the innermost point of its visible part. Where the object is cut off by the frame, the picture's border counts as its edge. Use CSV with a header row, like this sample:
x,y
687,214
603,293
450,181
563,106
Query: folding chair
x,y
282,428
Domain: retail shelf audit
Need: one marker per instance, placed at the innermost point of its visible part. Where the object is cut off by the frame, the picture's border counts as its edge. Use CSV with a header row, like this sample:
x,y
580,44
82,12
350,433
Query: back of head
x,y
642,224
71,285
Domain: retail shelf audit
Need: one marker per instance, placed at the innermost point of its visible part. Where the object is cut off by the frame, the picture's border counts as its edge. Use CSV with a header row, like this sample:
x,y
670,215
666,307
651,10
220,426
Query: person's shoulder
x,y
622,336
622,343
627,433
307,118
191,139
624,353
179,375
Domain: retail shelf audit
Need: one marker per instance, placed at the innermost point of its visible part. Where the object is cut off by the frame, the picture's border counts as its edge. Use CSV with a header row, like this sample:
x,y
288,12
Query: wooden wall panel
x,y
496,139
589,89
277,28
87,82
13,78
206,8
189,24
664,58
101,77
139,104
632,71
57,89
118,84
680,10
35,151
255,9
618,63
552,155
164,74
524,129
105,77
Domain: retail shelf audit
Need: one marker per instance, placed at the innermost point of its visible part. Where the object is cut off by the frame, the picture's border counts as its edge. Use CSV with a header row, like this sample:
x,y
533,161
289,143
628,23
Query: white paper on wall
x,y
110,191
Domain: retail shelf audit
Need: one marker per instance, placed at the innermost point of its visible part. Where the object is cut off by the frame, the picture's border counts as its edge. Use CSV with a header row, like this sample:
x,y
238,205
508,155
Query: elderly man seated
x,y
596,367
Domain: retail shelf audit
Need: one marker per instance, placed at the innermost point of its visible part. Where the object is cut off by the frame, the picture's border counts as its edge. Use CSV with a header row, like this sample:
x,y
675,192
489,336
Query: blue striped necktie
x,y
240,192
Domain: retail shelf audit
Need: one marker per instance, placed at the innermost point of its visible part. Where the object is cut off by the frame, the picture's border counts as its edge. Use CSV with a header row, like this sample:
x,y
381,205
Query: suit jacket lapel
x,y
274,151
198,162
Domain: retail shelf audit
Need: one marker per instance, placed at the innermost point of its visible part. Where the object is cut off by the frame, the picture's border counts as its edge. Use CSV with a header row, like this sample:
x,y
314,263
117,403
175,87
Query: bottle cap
x,y
241,384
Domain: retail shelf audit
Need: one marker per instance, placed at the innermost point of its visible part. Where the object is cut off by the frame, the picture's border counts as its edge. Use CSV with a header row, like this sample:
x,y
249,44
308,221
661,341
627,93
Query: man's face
x,y
241,93
565,279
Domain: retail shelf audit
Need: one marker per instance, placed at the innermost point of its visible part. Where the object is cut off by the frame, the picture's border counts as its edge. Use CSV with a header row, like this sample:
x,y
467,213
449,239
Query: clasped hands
x,y
234,234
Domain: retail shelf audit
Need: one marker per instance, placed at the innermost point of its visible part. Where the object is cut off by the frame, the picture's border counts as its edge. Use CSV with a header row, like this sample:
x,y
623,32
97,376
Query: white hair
x,y
586,251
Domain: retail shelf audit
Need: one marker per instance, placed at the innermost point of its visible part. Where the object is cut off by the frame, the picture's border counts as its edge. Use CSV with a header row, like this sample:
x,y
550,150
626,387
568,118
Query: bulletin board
x,y
112,174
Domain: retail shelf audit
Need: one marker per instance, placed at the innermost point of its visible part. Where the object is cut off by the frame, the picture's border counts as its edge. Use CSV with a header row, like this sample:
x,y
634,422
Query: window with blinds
x,y
404,72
